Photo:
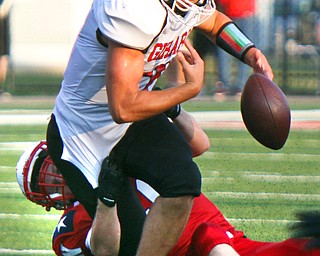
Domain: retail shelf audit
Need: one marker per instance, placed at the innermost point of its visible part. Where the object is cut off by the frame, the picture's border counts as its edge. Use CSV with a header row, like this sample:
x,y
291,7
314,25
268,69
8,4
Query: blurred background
x,y
42,32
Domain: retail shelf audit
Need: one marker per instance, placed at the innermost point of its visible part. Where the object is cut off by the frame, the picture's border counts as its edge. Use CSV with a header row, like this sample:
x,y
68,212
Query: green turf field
x,y
258,189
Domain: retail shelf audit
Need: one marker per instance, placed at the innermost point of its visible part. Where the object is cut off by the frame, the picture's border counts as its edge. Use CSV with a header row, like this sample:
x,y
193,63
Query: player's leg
x,y
4,60
105,239
4,49
223,250
132,216
156,152
164,225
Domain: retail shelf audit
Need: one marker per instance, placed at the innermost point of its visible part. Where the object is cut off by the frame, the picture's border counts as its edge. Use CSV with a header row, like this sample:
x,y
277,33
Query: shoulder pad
x,y
131,23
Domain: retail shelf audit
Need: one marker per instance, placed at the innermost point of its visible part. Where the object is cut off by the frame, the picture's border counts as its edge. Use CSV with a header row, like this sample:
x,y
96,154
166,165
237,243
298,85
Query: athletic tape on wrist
x,y
231,39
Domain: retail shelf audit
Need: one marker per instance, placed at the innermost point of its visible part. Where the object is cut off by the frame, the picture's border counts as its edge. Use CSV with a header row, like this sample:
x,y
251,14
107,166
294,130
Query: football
x,y
265,111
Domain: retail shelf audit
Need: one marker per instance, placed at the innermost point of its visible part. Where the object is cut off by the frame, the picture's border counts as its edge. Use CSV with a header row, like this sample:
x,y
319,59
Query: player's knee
x,y
100,246
175,207
193,181
102,251
177,203
183,183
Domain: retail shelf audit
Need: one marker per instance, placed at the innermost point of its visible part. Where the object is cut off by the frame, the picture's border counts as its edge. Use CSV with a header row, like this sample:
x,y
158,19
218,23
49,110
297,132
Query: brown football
x,y
265,111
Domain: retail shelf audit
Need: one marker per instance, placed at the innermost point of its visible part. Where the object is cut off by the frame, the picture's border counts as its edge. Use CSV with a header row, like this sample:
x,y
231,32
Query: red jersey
x,y
70,234
72,229
237,9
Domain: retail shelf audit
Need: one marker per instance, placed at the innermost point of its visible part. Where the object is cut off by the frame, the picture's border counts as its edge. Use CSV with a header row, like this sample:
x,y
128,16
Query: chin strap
x,y
231,39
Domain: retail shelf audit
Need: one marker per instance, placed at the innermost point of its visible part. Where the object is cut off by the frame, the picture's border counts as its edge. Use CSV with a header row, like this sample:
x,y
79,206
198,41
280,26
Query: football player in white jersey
x,y
41,182
106,107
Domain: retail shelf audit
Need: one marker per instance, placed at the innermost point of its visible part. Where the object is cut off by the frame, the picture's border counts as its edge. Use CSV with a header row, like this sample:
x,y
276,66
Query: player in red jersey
x,y
207,231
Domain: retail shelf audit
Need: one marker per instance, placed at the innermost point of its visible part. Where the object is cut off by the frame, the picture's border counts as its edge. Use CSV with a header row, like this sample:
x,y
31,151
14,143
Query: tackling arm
x,y
195,136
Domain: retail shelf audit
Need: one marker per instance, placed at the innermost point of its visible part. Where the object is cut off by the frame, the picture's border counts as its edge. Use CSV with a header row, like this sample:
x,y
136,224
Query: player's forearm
x,y
232,40
150,103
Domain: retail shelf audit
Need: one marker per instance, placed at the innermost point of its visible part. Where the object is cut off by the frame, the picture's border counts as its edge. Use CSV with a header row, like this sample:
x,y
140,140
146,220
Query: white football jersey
x,y
82,113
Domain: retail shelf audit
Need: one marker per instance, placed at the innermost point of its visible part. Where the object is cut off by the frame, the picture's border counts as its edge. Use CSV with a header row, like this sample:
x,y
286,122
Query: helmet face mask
x,y
53,186
189,13
40,180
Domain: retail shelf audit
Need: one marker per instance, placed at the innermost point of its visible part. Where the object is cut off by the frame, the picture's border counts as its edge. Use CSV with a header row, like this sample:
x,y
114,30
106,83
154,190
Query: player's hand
x,y
193,67
308,226
259,62
110,181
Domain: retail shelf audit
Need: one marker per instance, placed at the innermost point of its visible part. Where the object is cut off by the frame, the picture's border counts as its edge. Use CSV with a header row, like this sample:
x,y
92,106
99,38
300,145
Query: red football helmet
x,y
39,179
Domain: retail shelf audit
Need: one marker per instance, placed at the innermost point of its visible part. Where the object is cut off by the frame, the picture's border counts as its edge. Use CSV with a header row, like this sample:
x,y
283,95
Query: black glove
x,y
308,226
173,112
111,180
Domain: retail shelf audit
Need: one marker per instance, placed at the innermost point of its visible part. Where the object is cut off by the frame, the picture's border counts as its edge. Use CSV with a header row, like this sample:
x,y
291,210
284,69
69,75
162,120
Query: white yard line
x,y
214,116
282,178
30,216
25,252
260,221
12,146
271,156
264,195
26,119
41,117
9,187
